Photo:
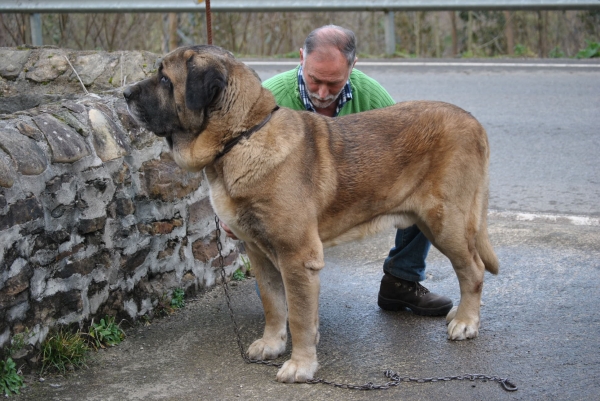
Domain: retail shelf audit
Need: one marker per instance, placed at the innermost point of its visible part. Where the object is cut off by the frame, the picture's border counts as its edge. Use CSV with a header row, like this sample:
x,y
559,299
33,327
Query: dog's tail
x,y
484,246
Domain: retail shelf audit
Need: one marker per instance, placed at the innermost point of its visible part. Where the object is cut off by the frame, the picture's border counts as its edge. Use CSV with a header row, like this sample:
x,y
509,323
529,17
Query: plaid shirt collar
x,y
345,94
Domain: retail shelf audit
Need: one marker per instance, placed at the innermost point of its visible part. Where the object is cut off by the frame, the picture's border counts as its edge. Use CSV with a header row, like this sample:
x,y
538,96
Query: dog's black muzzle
x,y
130,92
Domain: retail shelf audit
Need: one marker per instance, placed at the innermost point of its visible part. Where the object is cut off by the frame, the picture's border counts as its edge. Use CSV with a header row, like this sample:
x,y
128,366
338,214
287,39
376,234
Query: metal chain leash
x,y
225,286
394,378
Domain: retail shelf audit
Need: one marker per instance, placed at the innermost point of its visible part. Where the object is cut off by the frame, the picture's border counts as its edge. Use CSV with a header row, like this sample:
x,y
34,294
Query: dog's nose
x,y
127,92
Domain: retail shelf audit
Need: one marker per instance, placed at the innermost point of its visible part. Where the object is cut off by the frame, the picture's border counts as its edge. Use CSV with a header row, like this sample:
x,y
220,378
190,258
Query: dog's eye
x,y
164,80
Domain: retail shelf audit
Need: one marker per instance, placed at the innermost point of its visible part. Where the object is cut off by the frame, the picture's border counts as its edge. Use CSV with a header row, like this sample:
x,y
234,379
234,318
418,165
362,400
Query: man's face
x,y
325,73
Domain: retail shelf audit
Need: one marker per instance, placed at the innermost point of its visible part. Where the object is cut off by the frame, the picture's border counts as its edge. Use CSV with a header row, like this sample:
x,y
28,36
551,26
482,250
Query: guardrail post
x,y
36,29
390,33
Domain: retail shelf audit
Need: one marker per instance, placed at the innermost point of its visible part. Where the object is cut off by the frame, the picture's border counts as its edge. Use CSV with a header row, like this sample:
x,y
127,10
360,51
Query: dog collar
x,y
246,134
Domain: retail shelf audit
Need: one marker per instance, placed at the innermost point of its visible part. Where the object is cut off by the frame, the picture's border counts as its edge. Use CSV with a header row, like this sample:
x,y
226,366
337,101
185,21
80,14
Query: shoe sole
x,y
394,305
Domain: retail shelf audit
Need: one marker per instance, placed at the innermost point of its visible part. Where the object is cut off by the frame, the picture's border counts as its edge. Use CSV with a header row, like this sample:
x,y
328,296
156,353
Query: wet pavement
x,y
540,327
540,319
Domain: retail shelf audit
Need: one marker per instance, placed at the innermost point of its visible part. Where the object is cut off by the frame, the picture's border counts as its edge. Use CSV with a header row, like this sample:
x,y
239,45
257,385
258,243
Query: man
x,y
326,82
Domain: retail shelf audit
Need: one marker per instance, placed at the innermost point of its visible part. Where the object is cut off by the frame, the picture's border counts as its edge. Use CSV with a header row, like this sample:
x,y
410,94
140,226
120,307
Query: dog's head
x,y
200,98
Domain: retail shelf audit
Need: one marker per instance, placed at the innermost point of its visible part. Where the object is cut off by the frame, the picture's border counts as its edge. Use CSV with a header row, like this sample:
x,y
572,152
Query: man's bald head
x,y
332,36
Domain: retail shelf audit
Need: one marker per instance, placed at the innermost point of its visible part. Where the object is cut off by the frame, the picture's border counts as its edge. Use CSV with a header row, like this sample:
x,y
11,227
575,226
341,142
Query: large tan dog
x,y
290,183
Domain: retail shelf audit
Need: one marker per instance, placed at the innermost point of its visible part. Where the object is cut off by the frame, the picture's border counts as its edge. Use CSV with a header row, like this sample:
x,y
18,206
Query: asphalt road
x,y
540,316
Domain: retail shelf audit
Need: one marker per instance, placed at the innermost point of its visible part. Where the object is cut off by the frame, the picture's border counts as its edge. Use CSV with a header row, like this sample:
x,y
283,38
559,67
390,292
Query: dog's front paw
x,y
262,349
462,329
299,372
452,314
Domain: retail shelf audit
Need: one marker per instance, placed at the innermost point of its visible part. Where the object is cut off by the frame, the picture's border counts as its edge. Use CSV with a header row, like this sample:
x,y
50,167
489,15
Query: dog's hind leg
x,y
481,256
272,293
458,243
464,319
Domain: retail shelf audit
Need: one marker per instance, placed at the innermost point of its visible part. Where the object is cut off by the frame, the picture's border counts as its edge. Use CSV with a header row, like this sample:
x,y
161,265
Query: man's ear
x,y
203,85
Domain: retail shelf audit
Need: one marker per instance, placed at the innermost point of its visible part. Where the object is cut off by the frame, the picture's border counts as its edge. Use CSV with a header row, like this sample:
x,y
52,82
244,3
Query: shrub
x,y
592,50
106,332
10,380
177,301
238,275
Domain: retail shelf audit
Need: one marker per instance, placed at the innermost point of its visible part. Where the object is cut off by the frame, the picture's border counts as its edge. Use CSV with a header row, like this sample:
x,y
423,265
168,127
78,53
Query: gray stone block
x,y
66,144
12,62
29,158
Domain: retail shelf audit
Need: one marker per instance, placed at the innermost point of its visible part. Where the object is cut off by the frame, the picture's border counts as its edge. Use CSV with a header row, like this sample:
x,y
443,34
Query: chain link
x,y
395,378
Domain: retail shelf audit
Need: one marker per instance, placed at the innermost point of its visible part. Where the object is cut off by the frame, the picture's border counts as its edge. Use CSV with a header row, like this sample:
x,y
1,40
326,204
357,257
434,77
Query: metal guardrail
x,y
117,6
37,7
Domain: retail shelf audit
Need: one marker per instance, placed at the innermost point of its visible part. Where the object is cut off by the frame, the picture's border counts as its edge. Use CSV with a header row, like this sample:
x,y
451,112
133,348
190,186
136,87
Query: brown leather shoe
x,y
396,294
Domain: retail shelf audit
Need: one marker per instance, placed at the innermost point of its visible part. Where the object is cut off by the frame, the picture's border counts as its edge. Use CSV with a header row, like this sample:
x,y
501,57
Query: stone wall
x,y
95,217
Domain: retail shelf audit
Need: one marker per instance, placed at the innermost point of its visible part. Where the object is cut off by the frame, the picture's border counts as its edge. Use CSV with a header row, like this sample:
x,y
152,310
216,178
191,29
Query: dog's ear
x,y
202,86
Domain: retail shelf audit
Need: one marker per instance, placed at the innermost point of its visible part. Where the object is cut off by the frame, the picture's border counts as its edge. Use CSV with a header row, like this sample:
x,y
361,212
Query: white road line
x,y
460,64
547,218
436,64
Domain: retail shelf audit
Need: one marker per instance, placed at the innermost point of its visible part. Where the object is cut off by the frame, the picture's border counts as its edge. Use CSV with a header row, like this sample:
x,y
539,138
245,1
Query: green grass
x,y
295,54
556,53
523,51
64,351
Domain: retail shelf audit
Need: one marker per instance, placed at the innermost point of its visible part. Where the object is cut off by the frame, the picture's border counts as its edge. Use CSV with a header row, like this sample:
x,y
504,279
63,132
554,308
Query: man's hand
x,y
227,230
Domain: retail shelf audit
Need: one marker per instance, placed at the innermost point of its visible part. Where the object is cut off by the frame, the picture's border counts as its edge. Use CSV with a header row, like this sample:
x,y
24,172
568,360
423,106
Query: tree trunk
x,y
543,33
418,34
436,35
470,34
173,38
509,33
25,30
454,34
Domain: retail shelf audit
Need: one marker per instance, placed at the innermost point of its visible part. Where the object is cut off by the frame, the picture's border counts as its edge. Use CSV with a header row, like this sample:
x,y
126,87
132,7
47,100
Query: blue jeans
x,y
406,259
